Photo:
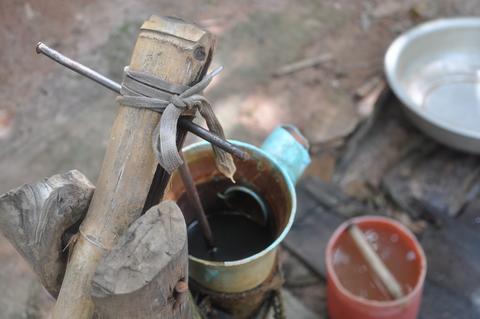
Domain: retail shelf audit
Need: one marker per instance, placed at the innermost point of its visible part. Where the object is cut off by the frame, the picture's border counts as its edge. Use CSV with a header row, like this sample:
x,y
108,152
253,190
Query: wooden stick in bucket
x,y
375,262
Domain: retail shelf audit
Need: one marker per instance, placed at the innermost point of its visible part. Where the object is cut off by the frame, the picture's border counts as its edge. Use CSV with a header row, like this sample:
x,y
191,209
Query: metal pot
x,y
434,70
273,171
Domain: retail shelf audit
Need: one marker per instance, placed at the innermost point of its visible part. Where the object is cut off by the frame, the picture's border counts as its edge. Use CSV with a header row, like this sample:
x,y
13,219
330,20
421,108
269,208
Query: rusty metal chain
x,y
205,307
277,305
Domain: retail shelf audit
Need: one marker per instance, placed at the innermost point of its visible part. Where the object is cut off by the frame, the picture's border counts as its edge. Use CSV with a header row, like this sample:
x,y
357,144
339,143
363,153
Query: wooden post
x,y
35,216
177,52
145,275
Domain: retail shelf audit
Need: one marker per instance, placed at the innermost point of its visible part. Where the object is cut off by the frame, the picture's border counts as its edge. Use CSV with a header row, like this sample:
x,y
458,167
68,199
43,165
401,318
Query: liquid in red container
x,y
355,291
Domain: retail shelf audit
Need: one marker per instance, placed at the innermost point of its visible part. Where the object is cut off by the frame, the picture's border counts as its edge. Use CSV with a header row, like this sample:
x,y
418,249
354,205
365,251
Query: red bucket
x,y
353,291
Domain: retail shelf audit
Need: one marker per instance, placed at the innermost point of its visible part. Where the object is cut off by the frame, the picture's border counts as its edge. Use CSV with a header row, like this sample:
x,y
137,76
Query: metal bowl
x,y
434,69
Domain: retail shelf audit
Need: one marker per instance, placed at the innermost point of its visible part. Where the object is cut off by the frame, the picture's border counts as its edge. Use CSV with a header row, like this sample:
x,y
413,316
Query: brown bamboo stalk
x,y
177,52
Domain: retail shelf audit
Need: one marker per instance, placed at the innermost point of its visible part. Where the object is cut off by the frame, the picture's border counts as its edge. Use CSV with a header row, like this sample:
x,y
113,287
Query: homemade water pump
x,y
127,253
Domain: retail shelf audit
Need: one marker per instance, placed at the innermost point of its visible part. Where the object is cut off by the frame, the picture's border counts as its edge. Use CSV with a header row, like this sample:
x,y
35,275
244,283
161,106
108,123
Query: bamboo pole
x,y
177,52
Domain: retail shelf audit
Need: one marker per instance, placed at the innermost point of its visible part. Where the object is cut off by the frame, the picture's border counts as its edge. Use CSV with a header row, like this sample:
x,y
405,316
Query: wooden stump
x,y
35,216
177,52
145,274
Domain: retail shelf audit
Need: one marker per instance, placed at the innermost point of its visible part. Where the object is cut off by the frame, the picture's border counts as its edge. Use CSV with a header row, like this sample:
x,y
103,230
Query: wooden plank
x,y
433,182
439,303
453,258
333,199
470,215
305,201
165,48
382,141
308,238
311,230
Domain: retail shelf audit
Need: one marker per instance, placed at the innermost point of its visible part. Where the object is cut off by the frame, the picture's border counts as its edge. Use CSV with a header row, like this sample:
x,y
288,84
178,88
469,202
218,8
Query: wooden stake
x,y
177,52
145,275
375,262
35,216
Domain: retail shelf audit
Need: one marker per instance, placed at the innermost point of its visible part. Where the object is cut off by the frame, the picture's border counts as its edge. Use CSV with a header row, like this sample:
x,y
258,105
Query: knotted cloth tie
x,y
142,90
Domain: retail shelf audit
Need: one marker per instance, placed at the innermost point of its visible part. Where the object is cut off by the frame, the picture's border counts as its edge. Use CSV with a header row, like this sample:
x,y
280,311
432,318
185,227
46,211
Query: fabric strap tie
x,y
142,90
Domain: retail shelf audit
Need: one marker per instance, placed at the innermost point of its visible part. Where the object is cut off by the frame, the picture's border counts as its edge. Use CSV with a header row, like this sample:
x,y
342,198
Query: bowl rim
x,y
396,49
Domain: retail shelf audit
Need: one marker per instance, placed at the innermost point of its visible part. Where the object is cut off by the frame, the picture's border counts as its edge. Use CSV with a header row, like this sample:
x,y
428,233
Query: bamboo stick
x,y
168,48
375,262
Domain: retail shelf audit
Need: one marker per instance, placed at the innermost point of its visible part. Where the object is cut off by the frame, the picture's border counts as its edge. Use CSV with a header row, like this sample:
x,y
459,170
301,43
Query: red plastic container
x,y
344,304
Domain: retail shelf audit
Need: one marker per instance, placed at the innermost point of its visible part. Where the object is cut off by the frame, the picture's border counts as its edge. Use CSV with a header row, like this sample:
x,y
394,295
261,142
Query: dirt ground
x,y
52,120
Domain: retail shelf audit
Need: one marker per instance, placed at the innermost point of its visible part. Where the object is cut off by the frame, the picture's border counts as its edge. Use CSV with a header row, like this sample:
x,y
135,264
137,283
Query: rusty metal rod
x,y
194,198
77,67
214,139
185,123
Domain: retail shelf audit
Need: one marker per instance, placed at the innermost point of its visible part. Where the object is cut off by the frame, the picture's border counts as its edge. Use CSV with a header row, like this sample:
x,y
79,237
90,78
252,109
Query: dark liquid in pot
x,y
236,235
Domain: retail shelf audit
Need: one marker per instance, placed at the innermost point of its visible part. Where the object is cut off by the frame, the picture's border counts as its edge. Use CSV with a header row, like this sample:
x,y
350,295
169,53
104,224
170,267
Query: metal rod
x,y
77,67
185,123
194,198
213,138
